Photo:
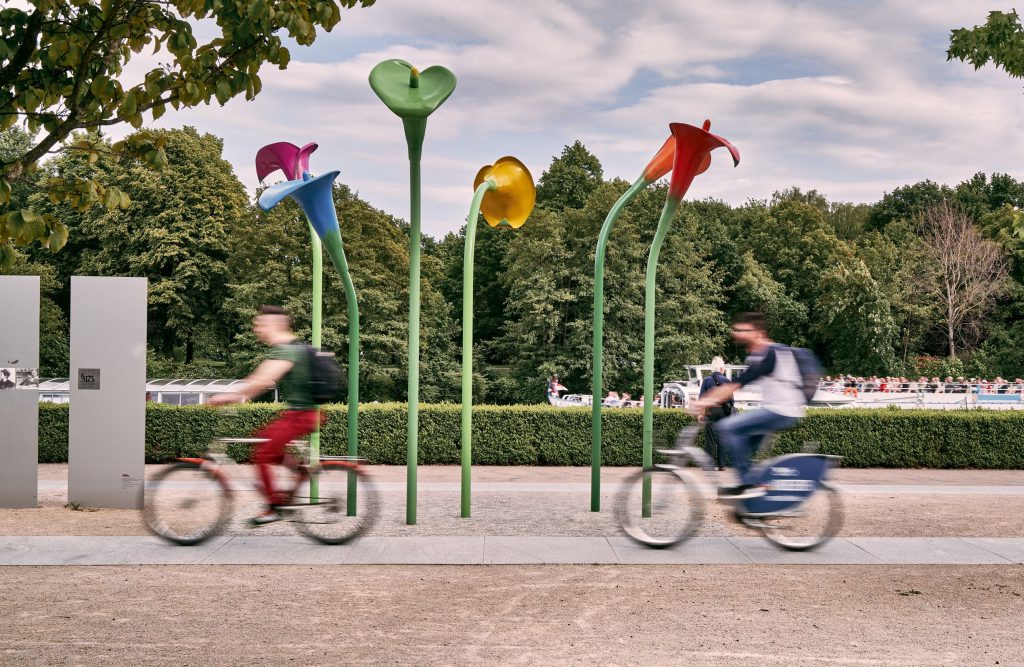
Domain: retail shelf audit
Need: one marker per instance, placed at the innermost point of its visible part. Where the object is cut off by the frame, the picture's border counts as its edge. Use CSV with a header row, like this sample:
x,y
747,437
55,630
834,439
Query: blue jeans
x,y
743,434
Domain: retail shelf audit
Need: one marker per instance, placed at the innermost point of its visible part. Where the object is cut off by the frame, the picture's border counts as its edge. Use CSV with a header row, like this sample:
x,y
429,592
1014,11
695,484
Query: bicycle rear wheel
x,y
186,504
328,520
810,525
676,508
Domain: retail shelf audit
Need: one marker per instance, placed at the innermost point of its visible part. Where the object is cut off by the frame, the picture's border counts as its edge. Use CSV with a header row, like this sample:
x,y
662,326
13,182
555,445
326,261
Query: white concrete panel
x,y
107,439
19,392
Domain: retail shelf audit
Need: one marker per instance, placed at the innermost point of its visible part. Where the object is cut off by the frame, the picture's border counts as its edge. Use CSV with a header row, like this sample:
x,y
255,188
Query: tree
x,y
1000,41
896,261
970,272
856,320
178,232
570,178
61,65
907,202
756,290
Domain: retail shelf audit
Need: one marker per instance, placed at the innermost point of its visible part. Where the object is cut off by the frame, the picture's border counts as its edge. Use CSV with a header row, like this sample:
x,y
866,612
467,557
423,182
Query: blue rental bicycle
x,y
799,511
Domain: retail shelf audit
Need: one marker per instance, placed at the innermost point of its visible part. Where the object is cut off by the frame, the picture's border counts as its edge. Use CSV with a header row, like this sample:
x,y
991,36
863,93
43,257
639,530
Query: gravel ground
x,y
579,615
567,513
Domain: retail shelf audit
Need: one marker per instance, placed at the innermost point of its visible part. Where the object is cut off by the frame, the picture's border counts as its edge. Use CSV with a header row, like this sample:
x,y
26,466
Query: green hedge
x,y
544,435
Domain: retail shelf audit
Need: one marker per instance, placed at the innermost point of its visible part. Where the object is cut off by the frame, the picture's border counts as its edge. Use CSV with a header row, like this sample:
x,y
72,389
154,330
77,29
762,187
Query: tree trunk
x,y
189,349
167,342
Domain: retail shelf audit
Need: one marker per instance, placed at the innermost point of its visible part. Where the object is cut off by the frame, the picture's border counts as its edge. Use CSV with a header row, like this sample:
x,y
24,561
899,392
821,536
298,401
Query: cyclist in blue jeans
x,y
773,368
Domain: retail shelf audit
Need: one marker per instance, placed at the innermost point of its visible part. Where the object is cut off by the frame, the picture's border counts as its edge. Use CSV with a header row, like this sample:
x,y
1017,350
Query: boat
x,y
679,393
955,396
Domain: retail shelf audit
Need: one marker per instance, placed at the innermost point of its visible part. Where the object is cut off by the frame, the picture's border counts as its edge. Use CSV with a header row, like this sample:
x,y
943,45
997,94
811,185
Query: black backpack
x,y
729,406
324,375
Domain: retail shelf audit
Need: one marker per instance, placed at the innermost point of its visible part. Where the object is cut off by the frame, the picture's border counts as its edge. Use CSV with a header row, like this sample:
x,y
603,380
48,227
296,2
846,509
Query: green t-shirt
x,y
295,385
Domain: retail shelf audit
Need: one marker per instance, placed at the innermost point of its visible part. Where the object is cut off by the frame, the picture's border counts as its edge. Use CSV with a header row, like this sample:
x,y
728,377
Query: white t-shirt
x,y
776,373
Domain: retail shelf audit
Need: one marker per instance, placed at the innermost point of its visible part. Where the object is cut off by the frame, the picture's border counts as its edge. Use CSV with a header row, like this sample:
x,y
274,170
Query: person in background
x,y
711,415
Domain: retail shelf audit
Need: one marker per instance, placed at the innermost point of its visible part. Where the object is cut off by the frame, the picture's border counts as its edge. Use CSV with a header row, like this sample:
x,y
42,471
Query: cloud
x,y
852,99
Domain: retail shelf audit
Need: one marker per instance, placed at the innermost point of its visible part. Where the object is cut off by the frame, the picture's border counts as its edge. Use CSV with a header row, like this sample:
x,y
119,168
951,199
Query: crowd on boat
x,y
855,385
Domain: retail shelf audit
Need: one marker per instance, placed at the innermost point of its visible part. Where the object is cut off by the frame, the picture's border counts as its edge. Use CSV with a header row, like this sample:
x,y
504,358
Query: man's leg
x,y
742,436
290,425
714,447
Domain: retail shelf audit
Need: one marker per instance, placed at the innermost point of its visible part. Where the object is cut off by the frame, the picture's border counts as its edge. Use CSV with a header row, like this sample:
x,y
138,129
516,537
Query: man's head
x,y
718,365
5,374
750,329
272,324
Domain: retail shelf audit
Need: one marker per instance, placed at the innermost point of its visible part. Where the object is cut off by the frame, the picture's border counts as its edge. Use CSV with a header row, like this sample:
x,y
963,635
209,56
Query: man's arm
x,y
263,379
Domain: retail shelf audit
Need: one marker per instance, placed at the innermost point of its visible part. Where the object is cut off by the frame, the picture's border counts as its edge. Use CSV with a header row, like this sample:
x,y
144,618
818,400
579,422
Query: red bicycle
x,y
192,500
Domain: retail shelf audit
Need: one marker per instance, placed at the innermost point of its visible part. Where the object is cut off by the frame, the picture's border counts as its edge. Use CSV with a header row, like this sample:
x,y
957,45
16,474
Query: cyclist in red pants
x,y
289,367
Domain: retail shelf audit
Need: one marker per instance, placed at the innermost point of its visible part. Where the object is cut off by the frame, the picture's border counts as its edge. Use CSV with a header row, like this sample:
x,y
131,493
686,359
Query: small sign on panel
x,y
88,378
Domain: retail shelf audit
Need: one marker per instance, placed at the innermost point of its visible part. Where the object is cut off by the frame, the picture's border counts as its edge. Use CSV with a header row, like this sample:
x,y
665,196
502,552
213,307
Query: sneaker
x,y
740,492
264,519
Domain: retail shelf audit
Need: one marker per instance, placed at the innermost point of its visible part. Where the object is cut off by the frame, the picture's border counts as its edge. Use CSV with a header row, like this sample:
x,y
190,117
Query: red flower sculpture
x,y
693,154
661,164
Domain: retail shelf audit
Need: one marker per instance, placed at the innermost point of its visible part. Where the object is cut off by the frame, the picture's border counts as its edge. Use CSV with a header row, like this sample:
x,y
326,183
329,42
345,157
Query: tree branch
x,y
28,46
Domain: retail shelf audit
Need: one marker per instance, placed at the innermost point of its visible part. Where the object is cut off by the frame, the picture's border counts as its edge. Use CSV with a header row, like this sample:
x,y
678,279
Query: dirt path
x,y
704,615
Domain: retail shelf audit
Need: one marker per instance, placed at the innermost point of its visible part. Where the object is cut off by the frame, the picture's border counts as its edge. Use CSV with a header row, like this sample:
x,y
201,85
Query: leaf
x,y
6,257
58,237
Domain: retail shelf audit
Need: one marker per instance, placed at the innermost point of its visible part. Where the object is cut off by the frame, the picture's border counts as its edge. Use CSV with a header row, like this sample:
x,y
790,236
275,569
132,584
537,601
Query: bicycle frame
x,y
791,479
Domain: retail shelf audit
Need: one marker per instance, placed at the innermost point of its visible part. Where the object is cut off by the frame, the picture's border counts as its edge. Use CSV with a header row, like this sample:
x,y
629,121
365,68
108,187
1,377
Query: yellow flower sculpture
x,y
510,201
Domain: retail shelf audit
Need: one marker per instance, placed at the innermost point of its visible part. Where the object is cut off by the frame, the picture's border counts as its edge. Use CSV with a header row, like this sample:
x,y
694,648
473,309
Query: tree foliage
x,y
999,41
862,284
62,70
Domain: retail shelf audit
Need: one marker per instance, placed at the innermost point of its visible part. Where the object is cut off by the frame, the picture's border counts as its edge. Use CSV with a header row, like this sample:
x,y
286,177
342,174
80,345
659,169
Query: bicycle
x,y
192,500
800,510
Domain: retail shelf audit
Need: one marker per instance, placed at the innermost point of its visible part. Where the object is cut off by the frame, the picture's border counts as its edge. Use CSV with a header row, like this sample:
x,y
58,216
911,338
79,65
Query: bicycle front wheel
x,y
186,504
674,513
808,526
329,520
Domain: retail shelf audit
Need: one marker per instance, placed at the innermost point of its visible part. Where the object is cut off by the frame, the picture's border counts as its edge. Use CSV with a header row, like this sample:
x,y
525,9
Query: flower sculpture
x,y
511,196
316,198
287,157
693,146
412,96
505,194
659,165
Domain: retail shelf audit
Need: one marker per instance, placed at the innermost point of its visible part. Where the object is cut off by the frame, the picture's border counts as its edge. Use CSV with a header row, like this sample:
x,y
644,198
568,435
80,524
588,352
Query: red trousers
x,y
290,425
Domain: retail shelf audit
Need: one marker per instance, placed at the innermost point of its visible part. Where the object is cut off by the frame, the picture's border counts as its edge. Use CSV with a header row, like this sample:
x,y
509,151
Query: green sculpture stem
x,y
336,250
467,342
598,345
671,204
415,129
315,340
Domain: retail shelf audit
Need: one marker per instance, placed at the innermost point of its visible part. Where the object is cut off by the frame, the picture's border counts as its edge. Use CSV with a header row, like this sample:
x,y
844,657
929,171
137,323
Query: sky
x,y
850,98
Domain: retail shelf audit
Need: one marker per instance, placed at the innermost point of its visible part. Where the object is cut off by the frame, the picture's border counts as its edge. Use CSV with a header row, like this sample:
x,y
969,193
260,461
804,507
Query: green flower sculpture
x,y
412,96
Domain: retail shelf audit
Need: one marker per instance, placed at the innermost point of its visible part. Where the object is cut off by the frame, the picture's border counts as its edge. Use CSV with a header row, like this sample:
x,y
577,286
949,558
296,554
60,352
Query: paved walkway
x,y
61,486
478,550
